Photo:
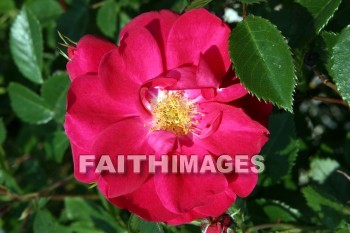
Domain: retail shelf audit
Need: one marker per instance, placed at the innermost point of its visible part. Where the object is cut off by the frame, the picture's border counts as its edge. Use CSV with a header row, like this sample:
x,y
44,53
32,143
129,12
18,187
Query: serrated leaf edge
x,y
294,69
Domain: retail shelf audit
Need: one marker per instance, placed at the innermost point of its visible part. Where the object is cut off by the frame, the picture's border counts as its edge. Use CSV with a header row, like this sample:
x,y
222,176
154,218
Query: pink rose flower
x,y
168,88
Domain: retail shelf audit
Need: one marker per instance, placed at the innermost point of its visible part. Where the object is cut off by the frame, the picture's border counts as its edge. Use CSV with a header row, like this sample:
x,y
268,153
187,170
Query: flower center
x,y
174,112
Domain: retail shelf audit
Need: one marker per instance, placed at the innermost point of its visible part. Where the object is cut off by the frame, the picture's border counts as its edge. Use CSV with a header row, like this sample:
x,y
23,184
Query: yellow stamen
x,y
175,113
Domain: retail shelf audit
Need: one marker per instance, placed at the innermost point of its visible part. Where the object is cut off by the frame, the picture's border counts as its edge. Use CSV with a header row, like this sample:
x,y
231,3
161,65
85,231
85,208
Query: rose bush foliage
x,y
293,54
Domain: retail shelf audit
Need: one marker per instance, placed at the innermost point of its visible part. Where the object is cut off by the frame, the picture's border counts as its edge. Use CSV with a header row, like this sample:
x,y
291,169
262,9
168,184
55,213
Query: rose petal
x,y
230,93
88,55
178,192
162,141
243,183
158,23
90,110
185,76
237,134
145,203
185,218
219,205
205,76
123,70
127,137
205,34
87,177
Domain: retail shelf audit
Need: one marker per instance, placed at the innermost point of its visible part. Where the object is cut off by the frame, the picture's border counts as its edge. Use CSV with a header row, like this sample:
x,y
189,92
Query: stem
x,y
327,82
244,11
97,5
56,185
344,174
330,100
62,197
3,161
31,196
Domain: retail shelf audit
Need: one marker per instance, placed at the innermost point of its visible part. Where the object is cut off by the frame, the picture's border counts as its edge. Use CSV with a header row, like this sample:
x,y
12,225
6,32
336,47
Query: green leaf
x,y
123,19
57,145
45,10
60,145
54,92
107,18
263,61
43,222
138,225
26,45
28,105
321,169
341,64
197,4
327,209
321,10
8,180
150,227
330,39
282,149
134,224
2,131
83,227
6,6
316,200
279,164
282,129
278,211
79,210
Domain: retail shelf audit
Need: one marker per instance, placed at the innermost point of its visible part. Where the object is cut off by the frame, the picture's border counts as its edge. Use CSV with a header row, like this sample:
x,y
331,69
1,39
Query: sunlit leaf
x,y
28,105
27,45
263,61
